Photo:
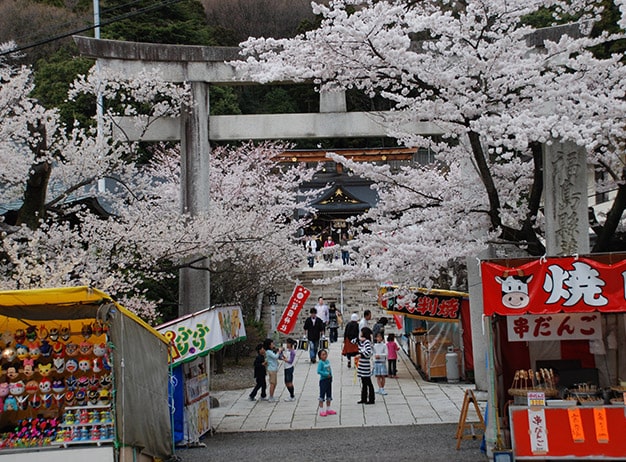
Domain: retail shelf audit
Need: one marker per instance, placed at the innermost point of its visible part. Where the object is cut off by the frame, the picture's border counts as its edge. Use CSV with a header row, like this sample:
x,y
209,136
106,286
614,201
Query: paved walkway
x,y
410,401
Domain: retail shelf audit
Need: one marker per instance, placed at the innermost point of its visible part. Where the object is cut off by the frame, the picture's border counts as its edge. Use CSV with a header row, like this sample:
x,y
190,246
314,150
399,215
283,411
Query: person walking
x,y
329,250
392,356
380,362
311,249
345,251
333,323
350,338
380,326
272,355
289,358
259,374
322,311
326,383
364,368
313,326
365,320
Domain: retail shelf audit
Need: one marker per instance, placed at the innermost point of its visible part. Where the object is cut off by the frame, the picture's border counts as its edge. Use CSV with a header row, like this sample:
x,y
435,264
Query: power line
x,y
85,29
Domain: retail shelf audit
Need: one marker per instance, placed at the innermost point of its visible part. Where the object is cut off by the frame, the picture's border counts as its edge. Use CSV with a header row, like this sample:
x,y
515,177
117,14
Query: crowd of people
x,y
328,250
372,354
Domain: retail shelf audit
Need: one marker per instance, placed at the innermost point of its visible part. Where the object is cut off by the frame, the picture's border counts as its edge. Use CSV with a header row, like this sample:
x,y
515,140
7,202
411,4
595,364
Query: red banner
x,y
434,305
553,285
294,306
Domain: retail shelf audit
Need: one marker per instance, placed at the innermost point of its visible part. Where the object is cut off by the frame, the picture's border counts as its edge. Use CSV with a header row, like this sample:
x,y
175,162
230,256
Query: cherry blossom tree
x,y
51,173
497,89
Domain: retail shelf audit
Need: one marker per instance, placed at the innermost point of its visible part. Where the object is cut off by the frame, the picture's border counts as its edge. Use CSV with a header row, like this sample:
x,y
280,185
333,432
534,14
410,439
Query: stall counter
x,y
585,432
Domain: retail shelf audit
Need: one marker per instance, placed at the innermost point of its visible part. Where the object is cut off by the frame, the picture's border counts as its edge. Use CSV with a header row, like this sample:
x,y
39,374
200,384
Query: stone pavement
x,y
410,400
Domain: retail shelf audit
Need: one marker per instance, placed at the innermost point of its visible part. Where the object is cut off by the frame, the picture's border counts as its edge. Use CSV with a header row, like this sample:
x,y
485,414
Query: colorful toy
x,y
20,336
10,404
58,386
81,397
59,364
45,348
45,385
58,349
71,382
94,382
66,333
99,349
17,388
104,396
9,354
85,348
12,372
98,328
106,381
46,400
44,369
29,367
84,364
54,334
71,349
71,366
93,396
34,349
69,397
21,351
35,401
31,387
86,331
31,333
43,332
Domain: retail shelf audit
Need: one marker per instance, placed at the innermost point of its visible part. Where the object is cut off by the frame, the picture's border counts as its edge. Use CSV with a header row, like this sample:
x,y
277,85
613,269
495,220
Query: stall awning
x,y
555,285
71,304
428,304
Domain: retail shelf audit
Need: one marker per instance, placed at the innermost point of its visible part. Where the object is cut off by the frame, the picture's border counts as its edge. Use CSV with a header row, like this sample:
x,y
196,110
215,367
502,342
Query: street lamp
x,y
273,297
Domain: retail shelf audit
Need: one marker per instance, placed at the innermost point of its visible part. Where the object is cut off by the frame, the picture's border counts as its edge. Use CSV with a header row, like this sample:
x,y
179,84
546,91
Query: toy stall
x,y
557,366
82,379
192,338
437,335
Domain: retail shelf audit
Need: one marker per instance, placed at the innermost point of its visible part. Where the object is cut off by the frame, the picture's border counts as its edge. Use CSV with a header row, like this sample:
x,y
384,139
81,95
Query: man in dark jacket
x,y
313,327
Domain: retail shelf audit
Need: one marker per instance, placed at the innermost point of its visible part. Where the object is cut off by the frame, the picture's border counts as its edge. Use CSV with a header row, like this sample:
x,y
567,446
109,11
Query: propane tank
x,y
452,365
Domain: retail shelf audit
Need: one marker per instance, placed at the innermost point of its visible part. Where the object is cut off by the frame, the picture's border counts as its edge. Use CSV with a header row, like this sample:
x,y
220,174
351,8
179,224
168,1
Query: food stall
x,y
82,379
193,337
435,330
558,332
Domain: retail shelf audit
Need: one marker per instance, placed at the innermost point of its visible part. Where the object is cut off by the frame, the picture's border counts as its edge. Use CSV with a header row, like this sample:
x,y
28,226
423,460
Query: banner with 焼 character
x,y
554,285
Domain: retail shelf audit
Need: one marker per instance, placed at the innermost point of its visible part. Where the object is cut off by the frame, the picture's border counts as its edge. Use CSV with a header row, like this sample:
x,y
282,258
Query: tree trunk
x,y
613,218
34,207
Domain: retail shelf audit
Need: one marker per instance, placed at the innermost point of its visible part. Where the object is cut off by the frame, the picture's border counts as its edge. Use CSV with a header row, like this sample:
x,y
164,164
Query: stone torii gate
x,y
201,67
565,197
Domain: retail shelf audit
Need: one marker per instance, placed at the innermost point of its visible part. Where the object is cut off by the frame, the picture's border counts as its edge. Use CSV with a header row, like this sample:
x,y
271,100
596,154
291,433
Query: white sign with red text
x,y
538,431
557,326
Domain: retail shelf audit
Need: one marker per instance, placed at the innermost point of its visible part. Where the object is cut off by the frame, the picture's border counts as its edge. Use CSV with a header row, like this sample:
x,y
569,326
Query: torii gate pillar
x,y
194,281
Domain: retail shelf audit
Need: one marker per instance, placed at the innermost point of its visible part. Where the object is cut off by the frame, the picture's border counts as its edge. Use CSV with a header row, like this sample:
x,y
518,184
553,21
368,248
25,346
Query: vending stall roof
x,y
139,356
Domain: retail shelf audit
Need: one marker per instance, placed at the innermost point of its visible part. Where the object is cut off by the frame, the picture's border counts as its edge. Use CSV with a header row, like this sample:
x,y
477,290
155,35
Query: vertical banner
x,y
576,425
294,306
538,431
601,425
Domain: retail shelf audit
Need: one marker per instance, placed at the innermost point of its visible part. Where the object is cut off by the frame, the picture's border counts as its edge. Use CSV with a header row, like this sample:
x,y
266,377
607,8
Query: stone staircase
x,y
349,297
